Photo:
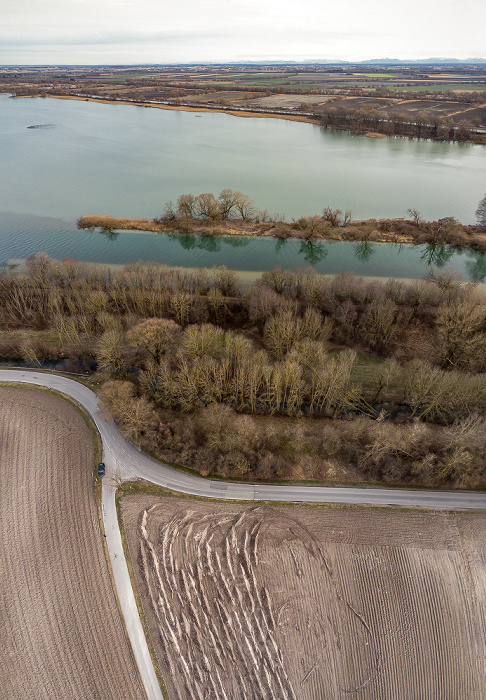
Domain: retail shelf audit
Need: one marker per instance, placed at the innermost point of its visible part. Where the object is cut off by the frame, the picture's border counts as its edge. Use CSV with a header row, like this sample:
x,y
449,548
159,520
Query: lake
x,y
126,161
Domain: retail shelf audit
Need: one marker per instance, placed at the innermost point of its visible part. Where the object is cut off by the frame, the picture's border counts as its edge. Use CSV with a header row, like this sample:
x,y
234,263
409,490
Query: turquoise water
x,y
126,161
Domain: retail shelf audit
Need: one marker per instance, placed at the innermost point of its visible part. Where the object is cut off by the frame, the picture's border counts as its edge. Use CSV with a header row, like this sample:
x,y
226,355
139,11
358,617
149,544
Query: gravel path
x,y
61,634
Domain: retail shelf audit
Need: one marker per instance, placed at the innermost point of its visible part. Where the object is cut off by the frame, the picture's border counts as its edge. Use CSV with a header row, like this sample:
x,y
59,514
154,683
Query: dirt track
x,y
61,634
306,603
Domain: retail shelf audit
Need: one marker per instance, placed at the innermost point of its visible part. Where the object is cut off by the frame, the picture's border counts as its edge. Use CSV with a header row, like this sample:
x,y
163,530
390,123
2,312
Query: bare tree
x,y
227,200
245,207
207,206
186,206
111,354
415,215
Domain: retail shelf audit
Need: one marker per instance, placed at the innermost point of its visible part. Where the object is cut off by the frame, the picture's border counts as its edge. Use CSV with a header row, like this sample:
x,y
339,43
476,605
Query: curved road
x,y
124,461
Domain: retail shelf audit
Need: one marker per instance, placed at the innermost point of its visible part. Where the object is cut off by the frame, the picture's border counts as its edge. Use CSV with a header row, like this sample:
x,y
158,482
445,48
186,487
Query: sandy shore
x,y
181,108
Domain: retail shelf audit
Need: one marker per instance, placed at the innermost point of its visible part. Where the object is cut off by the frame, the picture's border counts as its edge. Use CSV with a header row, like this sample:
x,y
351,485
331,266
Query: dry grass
x,y
61,634
249,602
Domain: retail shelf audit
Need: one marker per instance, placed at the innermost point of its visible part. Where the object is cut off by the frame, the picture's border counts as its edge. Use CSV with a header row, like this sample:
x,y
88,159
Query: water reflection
x,y
257,254
109,234
237,241
481,212
364,251
281,242
191,241
313,251
476,266
437,255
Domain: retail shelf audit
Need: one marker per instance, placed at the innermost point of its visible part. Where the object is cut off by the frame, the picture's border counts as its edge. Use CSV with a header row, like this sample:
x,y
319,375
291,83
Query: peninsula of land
x,y
234,213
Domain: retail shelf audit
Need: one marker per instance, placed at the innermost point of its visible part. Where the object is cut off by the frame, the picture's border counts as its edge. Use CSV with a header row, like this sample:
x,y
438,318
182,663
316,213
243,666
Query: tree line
x,y
376,362
423,124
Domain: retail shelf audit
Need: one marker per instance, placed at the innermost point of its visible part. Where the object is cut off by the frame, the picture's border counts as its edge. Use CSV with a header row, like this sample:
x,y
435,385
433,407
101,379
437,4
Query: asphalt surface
x,y
123,461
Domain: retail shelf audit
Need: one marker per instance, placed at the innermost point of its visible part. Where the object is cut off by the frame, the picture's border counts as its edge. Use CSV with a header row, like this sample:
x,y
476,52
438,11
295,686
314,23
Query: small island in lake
x,y
234,213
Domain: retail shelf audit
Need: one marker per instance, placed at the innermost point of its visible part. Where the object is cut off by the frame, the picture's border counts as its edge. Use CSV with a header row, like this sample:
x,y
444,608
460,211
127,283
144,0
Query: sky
x,y
179,31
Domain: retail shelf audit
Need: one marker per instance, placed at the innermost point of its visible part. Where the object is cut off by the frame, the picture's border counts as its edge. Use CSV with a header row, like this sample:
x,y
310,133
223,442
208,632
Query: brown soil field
x,y
61,633
286,101
363,102
216,96
310,603
471,114
436,107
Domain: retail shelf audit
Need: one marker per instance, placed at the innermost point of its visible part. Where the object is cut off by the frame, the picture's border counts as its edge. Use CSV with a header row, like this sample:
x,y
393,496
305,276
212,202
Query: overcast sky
x,y
176,31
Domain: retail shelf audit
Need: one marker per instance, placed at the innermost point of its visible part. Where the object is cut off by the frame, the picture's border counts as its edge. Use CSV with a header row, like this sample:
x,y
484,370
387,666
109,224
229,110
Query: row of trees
x,y
419,125
229,205
217,440
439,319
293,373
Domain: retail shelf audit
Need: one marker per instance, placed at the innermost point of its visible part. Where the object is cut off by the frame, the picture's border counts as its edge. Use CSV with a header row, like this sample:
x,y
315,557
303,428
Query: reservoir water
x,y
126,161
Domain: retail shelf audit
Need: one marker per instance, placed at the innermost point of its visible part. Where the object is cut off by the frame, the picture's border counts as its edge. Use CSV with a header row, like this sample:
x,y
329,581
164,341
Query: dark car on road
x,y
101,469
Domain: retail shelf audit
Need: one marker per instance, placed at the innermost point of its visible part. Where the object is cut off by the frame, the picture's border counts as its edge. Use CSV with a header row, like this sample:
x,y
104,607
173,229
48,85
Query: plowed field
x,y
248,602
61,635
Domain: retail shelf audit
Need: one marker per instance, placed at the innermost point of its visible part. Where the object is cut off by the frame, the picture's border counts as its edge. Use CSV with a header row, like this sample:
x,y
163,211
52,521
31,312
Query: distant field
x,y
439,87
217,96
247,602
61,634
284,101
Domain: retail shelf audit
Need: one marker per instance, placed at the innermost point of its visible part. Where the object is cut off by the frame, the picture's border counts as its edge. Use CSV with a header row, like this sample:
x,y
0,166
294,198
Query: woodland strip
x,y
299,377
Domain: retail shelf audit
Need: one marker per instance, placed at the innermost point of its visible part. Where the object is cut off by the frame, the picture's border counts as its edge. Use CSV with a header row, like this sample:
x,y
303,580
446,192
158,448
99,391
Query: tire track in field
x,y
61,635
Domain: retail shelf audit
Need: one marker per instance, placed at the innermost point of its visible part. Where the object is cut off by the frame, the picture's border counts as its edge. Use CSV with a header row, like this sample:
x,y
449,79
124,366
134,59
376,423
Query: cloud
x,y
222,30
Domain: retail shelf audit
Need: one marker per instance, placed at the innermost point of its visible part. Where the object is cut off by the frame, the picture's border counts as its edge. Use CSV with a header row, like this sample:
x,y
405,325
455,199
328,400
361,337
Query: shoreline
x,y
245,114
396,231
182,108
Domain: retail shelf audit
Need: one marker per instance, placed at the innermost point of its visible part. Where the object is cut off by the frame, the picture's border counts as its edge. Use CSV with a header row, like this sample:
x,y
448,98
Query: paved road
x,y
124,461
129,462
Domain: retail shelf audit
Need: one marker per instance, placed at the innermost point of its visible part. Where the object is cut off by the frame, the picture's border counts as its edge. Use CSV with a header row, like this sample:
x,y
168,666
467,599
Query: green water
x,y
126,161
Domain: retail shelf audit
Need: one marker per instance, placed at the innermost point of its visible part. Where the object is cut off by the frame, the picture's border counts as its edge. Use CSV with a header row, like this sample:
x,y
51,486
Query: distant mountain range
x,y
426,61
373,61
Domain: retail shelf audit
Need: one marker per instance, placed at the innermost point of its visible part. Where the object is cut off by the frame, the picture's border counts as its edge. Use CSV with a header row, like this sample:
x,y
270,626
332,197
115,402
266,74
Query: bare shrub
x,y
262,303
225,280
280,333
205,339
111,354
217,424
379,325
460,333
345,318
278,279
470,432
154,335
285,386
332,390
347,286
